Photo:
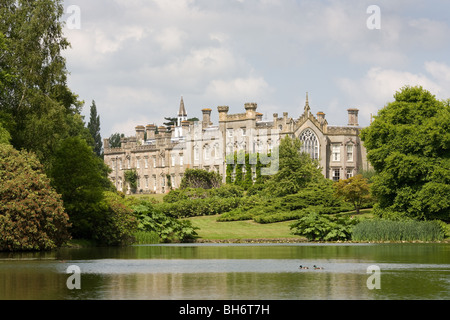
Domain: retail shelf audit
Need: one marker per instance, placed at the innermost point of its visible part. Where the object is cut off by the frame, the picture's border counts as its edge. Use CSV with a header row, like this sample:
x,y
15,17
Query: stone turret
x,y
223,112
250,110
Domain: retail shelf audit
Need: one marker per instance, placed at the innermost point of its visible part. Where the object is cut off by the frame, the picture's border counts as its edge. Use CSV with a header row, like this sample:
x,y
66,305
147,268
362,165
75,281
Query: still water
x,y
229,272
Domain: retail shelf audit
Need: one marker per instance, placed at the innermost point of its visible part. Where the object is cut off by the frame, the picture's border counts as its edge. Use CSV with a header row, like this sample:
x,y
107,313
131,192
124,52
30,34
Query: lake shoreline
x,y
292,240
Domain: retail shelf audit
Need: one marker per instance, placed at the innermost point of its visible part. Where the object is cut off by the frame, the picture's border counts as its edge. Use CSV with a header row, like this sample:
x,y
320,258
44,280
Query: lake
x,y
407,271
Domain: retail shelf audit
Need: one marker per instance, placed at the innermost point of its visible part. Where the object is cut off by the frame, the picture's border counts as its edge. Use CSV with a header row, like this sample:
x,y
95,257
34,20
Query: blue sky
x,y
136,58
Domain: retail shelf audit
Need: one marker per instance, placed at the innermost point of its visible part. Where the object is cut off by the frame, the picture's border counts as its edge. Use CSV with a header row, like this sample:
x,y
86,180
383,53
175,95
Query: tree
x,y
32,215
131,177
94,129
295,169
170,123
5,137
408,145
34,81
114,140
77,176
198,178
355,190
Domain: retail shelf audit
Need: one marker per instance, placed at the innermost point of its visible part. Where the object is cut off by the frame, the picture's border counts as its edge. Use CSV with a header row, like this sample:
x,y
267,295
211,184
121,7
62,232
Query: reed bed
x,y
146,237
388,230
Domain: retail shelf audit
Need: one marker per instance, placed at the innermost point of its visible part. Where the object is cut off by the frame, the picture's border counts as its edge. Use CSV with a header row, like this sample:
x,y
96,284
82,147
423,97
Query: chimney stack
x,y
140,133
321,117
353,117
206,118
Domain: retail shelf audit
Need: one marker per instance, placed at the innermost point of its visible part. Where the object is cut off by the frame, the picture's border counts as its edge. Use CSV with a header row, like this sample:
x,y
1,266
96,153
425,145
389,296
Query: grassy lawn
x,y
210,229
157,197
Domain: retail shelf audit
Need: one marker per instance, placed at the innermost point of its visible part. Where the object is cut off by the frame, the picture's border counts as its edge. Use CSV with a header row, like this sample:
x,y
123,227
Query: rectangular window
x,y
216,151
172,180
336,174
349,173
113,165
146,182
129,163
230,133
196,154
350,153
181,159
173,161
120,164
244,132
336,152
154,162
138,165
146,163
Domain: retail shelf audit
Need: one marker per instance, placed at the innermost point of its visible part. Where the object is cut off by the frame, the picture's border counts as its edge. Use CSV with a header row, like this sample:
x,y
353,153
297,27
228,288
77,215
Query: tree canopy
x,y
295,169
408,145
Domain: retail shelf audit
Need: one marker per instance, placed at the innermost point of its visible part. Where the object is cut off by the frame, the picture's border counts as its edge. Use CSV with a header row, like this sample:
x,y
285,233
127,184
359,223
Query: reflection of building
x,y
161,156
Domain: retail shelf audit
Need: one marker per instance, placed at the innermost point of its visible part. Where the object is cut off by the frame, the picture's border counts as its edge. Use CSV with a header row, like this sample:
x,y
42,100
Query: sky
x,y
137,58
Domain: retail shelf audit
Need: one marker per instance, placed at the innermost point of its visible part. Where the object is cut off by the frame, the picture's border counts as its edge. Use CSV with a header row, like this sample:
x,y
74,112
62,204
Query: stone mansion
x,y
161,156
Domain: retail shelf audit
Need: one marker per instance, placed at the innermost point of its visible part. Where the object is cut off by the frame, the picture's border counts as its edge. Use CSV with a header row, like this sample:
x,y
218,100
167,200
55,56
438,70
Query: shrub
x,y
198,178
32,216
319,227
199,207
168,229
114,223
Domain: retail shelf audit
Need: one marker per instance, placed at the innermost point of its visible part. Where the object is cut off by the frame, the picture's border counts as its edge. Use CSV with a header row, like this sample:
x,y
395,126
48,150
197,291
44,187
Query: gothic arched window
x,y
310,143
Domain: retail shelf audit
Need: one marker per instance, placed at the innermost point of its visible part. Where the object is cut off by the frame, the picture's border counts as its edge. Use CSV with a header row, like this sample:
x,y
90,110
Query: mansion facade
x,y
160,155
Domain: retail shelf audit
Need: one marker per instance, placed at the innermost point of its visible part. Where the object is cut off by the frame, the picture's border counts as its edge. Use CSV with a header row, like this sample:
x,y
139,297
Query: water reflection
x,y
409,271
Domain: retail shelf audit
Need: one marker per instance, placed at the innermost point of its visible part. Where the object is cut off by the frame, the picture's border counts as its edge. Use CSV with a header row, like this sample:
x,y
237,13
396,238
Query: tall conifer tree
x,y
94,129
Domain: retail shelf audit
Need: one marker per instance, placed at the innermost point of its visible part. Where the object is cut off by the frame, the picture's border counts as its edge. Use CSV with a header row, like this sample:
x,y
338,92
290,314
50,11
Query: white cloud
x,y
171,39
239,90
136,57
377,87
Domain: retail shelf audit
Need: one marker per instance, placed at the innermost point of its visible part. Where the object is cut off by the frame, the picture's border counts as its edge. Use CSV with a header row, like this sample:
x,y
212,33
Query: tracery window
x,y
310,143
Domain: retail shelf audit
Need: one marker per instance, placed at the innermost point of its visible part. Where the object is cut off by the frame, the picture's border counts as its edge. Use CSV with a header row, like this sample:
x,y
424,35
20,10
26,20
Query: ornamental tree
x,y
408,145
355,190
32,215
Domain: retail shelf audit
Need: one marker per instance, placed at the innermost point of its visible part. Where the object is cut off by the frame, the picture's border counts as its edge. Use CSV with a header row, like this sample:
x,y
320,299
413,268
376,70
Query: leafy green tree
x,y
76,175
5,137
355,190
35,93
114,140
131,177
115,223
32,215
408,145
94,129
295,169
